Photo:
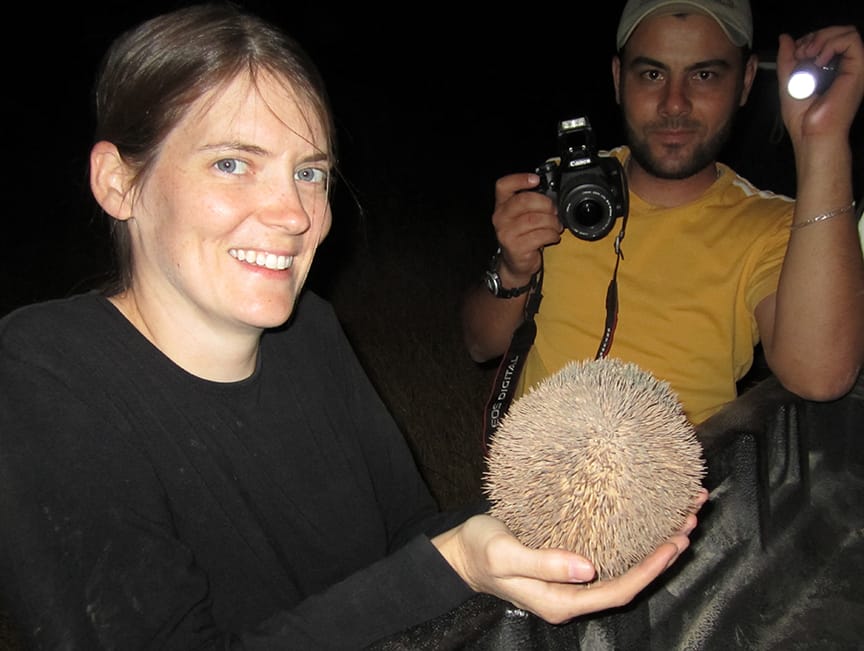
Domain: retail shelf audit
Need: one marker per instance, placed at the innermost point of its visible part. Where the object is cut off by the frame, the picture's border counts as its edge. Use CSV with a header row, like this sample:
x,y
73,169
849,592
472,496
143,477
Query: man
x,y
711,265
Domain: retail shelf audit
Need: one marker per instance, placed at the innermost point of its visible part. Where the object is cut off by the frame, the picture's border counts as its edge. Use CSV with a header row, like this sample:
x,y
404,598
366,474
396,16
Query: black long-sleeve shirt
x,y
143,507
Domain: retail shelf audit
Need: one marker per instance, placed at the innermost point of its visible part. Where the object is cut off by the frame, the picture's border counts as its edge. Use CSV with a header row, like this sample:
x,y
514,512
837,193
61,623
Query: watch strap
x,y
494,285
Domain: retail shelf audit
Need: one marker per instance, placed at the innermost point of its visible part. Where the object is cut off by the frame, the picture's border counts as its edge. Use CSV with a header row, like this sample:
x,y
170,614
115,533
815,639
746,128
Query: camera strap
x,y
612,297
510,368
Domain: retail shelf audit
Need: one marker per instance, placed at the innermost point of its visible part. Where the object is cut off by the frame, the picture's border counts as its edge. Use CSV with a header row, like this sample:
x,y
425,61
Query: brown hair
x,y
152,73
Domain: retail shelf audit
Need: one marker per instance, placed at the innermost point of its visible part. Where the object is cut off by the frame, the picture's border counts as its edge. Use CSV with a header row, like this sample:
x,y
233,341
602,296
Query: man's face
x,y
679,82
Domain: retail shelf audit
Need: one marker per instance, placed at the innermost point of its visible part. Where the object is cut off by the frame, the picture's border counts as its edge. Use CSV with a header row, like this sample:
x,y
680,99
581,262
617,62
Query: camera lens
x,y
588,212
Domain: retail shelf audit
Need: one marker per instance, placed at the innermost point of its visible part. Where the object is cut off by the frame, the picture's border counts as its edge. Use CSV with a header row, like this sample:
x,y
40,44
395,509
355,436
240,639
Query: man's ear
x,y
751,66
110,180
616,77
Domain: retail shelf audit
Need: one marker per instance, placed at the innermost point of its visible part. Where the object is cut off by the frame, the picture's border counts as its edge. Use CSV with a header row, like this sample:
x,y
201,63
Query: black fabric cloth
x,y
143,507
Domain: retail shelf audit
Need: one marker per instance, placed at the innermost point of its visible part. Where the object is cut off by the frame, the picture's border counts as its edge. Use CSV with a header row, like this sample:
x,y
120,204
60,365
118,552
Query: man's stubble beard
x,y
705,154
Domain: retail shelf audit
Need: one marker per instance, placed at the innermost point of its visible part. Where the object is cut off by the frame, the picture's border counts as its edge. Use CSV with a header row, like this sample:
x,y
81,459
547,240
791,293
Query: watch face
x,y
493,283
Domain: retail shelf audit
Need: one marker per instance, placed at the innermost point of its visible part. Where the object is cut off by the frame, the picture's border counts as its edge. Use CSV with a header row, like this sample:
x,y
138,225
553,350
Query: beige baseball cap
x,y
734,16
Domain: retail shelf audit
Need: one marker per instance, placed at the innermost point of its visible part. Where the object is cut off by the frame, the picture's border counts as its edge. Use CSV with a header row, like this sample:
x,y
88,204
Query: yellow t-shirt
x,y
688,283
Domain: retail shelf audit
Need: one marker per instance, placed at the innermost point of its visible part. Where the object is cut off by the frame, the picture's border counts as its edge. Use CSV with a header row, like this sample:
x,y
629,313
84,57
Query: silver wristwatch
x,y
493,281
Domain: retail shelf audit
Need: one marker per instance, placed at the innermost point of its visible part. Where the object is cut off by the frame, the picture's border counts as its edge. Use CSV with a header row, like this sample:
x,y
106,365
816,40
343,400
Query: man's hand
x,y
524,222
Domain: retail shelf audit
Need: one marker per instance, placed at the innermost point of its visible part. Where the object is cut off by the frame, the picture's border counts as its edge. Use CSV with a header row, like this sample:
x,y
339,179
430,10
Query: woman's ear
x,y
110,180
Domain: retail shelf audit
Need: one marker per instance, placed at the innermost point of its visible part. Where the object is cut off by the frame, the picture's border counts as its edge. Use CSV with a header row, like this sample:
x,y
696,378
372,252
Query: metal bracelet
x,y
824,216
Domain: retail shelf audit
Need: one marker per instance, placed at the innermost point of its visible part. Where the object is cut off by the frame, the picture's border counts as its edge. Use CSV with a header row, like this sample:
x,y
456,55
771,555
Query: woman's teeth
x,y
262,258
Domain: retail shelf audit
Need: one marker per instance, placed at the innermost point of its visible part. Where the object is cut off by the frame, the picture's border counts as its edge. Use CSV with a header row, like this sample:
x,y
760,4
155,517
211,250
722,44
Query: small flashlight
x,y
808,79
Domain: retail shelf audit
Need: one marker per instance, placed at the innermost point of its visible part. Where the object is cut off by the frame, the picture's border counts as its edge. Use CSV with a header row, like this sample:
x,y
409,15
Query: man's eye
x,y
311,175
652,75
232,166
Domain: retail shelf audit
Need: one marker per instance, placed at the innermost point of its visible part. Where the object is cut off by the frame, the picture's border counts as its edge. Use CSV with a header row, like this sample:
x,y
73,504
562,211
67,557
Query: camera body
x,y
590,190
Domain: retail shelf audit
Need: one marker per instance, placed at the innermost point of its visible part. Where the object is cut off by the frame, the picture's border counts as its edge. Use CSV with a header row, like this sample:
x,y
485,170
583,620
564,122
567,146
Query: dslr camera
x,y
591,190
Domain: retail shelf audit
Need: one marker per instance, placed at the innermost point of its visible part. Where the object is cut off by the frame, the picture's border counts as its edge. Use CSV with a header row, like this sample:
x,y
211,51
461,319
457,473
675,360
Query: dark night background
x,y
432,104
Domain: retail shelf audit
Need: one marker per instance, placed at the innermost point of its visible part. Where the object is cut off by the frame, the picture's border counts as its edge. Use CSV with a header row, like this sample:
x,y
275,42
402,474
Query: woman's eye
x,y
311,175
232,166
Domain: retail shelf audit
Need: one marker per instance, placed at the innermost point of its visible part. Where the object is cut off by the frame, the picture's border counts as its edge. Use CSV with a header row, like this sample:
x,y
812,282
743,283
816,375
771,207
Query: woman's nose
x,y
284,207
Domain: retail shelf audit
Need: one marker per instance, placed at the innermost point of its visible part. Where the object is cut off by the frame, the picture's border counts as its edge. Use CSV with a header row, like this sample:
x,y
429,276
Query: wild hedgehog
x,y
599,459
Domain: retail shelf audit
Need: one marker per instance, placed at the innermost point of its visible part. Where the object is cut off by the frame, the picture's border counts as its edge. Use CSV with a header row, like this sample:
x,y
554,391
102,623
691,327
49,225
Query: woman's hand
x,y
554,584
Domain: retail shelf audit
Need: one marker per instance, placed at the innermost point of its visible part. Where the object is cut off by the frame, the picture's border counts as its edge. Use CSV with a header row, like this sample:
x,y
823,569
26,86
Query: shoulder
x,y
312,312
52,323
313,324
622,153
739,189
311,345
745,211
73,340
312,306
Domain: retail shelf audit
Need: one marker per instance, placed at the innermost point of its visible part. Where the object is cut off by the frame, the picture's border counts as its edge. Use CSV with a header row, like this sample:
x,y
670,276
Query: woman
x,y
195,458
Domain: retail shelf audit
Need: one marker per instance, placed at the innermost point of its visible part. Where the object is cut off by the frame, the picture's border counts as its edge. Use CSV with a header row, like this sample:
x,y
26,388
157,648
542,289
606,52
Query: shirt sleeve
x,y
768,260
410,587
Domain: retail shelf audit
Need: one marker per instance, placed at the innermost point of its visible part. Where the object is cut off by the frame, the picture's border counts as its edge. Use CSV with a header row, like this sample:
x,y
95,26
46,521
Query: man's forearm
x,y
817,347
489,322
